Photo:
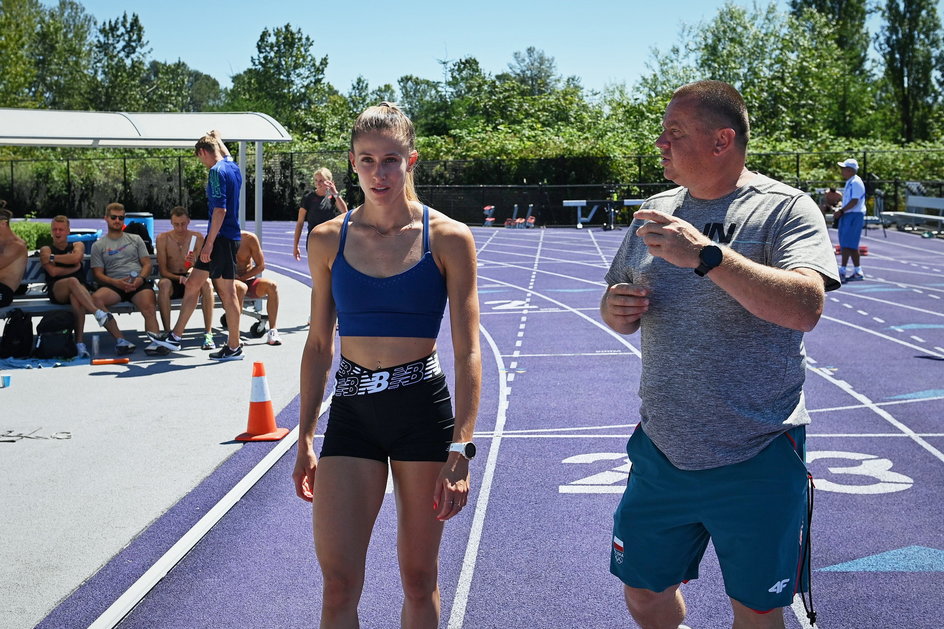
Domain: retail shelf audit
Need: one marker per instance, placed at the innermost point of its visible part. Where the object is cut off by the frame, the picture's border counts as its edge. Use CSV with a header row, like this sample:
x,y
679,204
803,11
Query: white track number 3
x,y
876,472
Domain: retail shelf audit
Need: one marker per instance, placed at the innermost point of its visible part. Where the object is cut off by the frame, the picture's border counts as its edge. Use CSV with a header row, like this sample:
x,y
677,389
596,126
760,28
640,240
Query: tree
x,y
908,42
285,79
19,20
205,93
425,103
785,68
851,37
361,96
535,70
120,64
166,87
63,57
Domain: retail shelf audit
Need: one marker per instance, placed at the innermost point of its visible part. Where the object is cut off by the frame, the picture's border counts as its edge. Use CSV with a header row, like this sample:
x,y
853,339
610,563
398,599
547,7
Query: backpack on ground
x,y
54,336
17,339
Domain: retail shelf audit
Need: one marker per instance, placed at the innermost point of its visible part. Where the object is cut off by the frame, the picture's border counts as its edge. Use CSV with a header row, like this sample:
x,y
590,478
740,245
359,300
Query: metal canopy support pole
x,y
242,189
259,190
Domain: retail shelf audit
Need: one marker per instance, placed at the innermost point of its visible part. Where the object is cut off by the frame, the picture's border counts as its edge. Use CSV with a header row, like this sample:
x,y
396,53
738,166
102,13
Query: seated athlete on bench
x,y
64,265
175,259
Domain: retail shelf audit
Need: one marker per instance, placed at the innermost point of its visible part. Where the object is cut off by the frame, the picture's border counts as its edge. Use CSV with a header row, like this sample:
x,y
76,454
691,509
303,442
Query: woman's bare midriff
x,y
373,352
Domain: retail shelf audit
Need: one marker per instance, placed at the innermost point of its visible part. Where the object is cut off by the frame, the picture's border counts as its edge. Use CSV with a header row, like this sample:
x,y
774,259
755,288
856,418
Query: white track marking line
x,y
464,586
602,285
146,582
918,348
596,244
598,324
847,388
800,612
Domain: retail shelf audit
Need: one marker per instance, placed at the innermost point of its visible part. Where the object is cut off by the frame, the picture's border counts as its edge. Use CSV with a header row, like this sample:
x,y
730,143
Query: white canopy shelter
x,y
45,127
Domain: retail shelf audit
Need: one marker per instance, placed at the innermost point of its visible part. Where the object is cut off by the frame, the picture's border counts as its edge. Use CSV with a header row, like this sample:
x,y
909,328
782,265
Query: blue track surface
x,y
558,404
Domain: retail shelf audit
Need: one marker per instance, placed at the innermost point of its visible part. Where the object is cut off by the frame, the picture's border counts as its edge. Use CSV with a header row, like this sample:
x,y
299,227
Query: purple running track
x,y
559,401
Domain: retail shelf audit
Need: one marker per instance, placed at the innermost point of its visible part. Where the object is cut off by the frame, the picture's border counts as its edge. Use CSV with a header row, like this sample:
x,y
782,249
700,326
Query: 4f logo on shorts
x,y
617,549
779,586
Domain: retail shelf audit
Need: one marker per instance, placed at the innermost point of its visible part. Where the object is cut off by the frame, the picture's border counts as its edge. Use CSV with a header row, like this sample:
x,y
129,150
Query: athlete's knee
x,y
419,583
341,589
647,606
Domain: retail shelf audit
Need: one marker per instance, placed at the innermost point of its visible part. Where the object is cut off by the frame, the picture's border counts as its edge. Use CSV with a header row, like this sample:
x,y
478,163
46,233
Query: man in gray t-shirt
x,y
722,277
121,266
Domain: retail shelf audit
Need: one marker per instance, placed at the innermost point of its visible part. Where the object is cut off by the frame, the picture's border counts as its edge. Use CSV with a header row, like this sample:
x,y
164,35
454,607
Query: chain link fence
x,y
81,187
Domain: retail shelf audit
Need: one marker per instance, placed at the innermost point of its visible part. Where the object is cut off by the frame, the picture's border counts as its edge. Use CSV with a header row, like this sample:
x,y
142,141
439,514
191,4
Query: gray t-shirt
x,y
119,257
718,384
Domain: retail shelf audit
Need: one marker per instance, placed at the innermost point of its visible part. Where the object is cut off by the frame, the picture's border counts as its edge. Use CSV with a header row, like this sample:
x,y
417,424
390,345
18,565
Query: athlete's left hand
x,y
670,238
205,253
452,487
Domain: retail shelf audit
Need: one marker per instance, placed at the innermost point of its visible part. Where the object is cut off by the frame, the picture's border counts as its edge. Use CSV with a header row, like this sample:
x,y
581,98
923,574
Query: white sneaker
x,y
102,317
273,338
82,350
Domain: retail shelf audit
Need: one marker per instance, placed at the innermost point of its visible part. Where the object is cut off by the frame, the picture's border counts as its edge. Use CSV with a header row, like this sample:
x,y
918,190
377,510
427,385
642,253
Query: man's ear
x,y
724,140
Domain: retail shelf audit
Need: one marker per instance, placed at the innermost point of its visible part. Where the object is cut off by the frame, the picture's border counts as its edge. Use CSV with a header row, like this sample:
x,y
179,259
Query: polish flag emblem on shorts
x,y
617,549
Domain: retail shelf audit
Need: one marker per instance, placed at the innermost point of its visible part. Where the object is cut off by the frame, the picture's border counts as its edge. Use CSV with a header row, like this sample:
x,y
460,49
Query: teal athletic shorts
x,y
755,513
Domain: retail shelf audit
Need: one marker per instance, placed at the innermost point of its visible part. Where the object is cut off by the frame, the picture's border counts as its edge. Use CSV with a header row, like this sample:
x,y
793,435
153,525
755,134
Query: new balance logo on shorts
x,y
617,549
779,586
353,379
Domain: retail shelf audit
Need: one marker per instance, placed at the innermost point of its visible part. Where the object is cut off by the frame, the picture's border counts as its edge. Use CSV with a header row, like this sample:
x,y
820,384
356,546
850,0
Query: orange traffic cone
x,y
261,416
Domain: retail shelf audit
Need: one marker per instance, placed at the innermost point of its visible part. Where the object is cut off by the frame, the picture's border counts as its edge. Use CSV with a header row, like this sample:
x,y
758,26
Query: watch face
x,y
710,255
469,450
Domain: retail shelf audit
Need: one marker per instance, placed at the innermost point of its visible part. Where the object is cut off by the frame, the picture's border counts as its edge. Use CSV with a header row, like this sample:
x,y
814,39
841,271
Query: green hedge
x,y
35,235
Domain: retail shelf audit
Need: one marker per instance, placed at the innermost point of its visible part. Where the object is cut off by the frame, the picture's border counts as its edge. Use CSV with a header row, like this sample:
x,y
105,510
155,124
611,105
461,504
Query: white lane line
x,y
464,586
611,352
287,270
602,326
881,412
625,435
923,350
800,612
600,251
602,285
851,407
147,581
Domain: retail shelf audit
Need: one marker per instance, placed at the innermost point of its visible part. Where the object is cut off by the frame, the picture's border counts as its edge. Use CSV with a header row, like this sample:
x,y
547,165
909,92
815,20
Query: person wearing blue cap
x,y
851,219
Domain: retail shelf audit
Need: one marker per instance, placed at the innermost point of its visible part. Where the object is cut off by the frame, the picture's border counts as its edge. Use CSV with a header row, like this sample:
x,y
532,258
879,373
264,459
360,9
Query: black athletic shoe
x,y
125,348
153,349
168,341
226,353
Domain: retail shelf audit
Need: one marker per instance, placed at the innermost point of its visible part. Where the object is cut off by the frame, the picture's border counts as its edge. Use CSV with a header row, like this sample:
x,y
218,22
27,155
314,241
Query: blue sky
x,y
601,41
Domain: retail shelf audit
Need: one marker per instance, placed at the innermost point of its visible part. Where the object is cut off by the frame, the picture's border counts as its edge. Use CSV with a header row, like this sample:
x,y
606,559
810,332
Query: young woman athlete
x,y
384,272
317,206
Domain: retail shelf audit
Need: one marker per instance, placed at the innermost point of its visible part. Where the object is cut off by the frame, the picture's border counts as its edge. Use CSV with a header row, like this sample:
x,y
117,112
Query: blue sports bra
x,y
409,304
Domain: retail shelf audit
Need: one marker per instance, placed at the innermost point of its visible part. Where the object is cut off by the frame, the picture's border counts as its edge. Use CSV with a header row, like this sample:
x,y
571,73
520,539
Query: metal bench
x,y
917,214
33,300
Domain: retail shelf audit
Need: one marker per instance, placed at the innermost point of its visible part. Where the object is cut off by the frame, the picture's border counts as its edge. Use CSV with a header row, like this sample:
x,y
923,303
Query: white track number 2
x,y
611,481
